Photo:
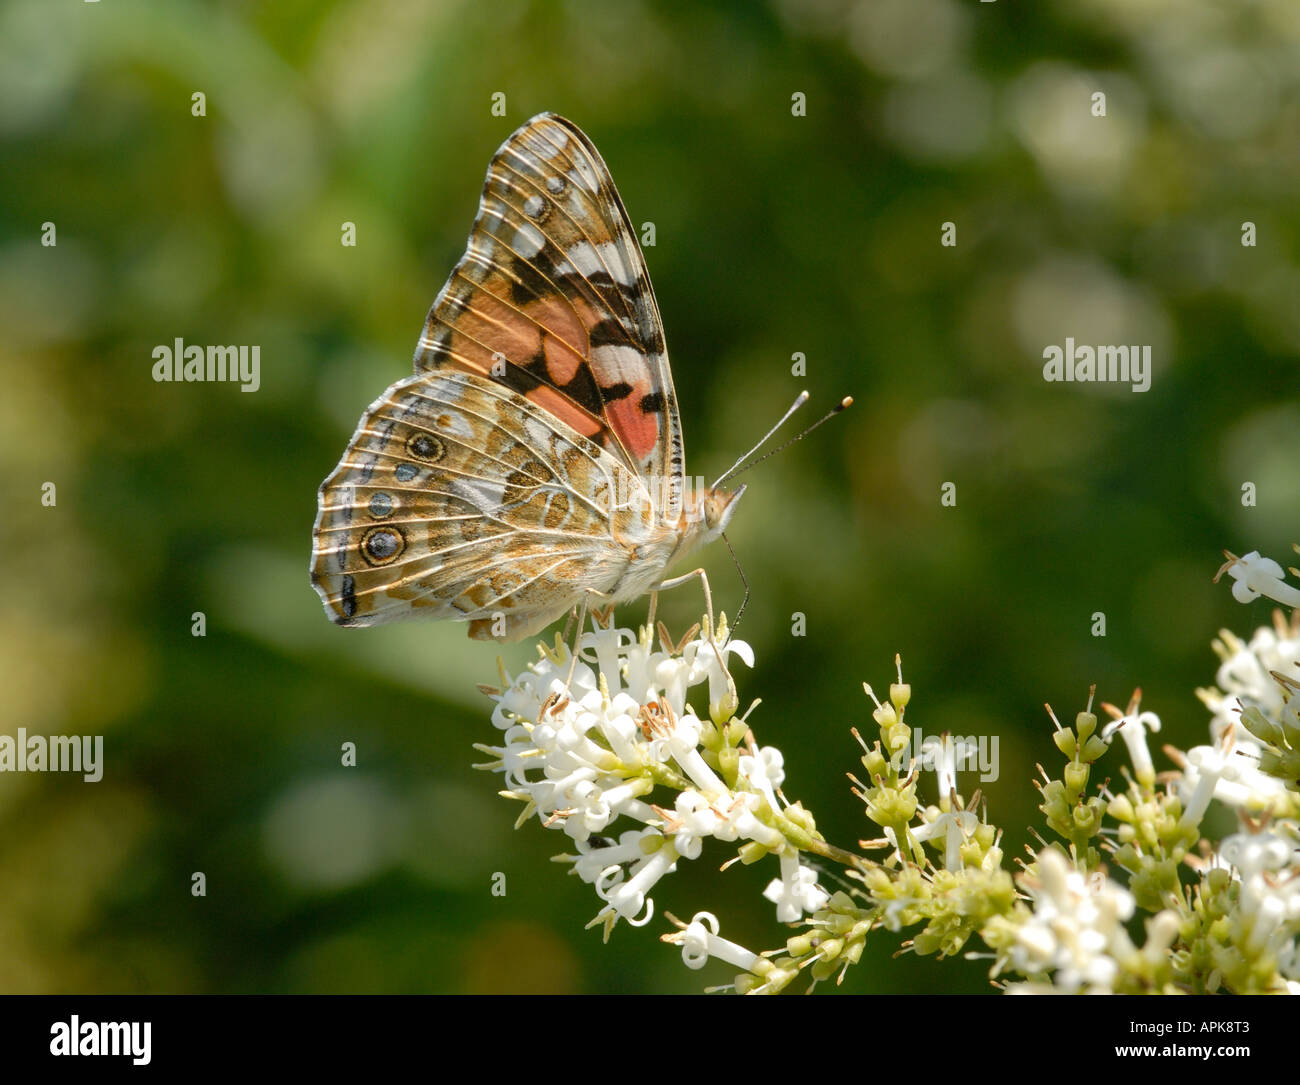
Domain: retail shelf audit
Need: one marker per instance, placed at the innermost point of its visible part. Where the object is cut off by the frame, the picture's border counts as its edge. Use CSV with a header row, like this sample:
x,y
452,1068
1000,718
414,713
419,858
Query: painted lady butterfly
x,y
534,461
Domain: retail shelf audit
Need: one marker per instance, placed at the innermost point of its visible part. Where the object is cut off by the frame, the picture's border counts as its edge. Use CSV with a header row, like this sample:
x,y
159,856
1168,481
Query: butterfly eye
x,y
718,508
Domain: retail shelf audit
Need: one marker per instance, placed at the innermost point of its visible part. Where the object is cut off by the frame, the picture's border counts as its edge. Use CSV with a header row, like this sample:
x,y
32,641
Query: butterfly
x,y
533,462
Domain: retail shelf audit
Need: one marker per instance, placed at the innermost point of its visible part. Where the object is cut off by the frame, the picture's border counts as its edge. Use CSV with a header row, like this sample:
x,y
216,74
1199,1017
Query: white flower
x,y
683,747
954,827
944,753
704,662
796,891
629,897
1267,866
1258,858
765,771
1077,928
585,752
700,941
1132,727
599,855
1254,576
1244,677
1232,776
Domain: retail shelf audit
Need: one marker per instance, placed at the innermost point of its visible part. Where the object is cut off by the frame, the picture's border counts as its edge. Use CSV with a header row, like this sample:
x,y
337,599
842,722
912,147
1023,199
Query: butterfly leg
x,y
582,621
577,638
711,631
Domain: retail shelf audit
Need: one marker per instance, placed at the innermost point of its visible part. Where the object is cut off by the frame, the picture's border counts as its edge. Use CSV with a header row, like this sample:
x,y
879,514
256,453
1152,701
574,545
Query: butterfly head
x,y
710,511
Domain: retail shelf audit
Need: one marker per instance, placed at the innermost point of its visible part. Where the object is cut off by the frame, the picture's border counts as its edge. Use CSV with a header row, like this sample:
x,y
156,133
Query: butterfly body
x,y
534,460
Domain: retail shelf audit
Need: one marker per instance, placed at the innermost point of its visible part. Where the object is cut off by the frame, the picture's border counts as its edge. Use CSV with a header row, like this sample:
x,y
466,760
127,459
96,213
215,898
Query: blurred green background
x,y
775,234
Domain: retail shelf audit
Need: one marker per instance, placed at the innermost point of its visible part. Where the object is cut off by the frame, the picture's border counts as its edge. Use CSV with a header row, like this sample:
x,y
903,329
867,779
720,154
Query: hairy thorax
x,y
652,544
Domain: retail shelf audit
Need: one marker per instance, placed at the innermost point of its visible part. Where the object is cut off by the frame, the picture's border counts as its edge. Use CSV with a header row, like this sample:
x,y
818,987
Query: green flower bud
x,y
1086,819
892,807
799,945
726,707
1076,777
875,763
830,949
1121,809
842,902
1093,750
1085,723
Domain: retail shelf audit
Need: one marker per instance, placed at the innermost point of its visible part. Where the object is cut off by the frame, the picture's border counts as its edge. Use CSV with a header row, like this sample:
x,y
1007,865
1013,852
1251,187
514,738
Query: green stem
x,y
838,855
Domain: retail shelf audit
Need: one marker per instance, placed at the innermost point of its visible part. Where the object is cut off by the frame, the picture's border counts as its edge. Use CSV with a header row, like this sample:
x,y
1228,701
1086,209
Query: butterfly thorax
x,y
654,544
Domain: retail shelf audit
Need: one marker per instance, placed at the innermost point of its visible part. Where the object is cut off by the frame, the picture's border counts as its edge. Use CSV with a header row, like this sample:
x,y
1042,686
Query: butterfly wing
x,y
458,498
553,301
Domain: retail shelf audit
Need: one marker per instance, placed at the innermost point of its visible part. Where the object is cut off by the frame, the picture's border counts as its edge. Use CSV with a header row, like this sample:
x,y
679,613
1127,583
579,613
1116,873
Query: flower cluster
x,y
589,744
1075,931
941,868
1225,916
608,748
1255,705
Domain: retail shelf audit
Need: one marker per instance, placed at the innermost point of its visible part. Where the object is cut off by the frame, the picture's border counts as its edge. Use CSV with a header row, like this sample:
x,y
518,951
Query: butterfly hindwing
x,y
458,498
552,300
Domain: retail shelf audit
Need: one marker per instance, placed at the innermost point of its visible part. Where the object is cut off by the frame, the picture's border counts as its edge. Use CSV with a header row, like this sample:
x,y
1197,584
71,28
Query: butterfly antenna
x,y
800,400
843,404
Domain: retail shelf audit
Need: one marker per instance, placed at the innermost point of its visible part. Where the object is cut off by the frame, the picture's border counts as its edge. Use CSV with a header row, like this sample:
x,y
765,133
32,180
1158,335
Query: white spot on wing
x,y
584,176
482,249
528,241
533,140
589,260
537,432
532,160
584,258
615,362
446,420
483,495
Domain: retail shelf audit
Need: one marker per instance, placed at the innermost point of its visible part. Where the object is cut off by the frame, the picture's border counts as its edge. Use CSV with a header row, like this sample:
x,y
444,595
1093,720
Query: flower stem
x,y
836,854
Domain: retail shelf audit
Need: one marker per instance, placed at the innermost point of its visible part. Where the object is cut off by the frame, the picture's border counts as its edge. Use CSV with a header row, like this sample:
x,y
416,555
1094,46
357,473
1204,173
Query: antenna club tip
x,y
846,402
803,396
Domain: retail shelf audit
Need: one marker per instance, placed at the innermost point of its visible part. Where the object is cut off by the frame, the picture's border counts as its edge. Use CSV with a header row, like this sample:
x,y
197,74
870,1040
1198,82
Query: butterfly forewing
x,y
553,300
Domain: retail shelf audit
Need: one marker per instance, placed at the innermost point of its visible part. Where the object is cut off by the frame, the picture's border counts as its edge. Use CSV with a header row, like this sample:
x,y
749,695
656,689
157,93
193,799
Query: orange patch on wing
x,y
566,410
496,327
638,430
564,337
561,363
